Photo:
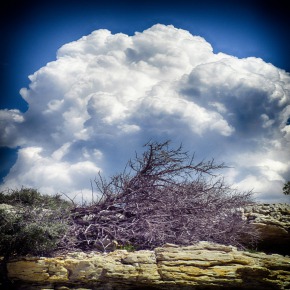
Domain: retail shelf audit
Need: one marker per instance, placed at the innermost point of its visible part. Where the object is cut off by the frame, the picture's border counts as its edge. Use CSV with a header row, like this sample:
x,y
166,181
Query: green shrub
x,y
286,188
31,223
128,247
31,197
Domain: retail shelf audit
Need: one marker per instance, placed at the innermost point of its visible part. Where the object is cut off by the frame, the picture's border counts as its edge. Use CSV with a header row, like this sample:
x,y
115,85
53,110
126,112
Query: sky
x,y
85,84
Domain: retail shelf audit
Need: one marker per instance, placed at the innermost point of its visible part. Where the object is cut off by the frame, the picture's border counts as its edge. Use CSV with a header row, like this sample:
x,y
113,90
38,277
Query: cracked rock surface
x,y
201,266
273,223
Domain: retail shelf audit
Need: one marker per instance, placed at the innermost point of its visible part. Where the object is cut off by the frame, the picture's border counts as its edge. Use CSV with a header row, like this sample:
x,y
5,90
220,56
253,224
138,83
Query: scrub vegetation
x,y
286,188
162,196
31,223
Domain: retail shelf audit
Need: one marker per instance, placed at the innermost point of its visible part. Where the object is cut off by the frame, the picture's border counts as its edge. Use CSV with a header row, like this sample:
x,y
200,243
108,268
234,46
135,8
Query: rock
x,y
273,223
201,266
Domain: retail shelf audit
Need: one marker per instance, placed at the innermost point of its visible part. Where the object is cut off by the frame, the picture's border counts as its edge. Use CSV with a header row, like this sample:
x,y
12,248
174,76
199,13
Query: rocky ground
x,y
201,266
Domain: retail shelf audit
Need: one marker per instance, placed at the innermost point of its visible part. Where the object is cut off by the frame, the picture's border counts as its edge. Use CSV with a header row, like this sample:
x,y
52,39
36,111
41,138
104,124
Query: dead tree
x,y
163,196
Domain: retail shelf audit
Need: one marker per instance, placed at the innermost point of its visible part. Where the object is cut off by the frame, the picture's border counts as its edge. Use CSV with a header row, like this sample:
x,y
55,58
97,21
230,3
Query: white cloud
x,y
49,173
108,94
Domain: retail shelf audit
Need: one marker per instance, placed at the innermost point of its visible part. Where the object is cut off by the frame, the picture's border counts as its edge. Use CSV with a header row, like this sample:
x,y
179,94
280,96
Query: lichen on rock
x,y
201,266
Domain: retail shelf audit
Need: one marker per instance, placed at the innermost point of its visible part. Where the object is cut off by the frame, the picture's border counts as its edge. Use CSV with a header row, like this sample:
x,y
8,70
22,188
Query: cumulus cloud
x,y
108,94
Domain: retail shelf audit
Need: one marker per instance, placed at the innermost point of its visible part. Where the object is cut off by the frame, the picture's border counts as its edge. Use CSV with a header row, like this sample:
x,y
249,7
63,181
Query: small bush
x,y
127,247
286,188
31,223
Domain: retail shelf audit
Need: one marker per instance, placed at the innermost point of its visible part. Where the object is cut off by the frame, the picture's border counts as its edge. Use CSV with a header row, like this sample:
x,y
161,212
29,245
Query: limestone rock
x,y
201,266
273,223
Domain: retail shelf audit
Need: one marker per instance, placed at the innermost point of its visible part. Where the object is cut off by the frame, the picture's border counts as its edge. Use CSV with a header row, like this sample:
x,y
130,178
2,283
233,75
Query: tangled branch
x,y
162,196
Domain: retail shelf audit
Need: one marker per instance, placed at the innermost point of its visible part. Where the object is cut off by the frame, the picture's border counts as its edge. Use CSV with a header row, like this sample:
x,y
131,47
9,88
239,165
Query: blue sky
x,y
32,32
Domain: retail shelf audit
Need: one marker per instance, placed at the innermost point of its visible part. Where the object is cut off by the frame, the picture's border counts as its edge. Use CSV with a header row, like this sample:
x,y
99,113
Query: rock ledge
x,y
201,266
273,224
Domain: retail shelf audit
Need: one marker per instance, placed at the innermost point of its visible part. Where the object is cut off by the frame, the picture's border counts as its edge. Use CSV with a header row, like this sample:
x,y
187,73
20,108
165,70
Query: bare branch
x,y
162,196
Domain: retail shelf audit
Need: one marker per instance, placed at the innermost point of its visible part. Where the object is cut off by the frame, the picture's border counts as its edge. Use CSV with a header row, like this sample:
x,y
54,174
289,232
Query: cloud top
x,y
108,94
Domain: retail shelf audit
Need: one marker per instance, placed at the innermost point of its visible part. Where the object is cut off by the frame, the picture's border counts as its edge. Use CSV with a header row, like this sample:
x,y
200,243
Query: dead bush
x,y
163,196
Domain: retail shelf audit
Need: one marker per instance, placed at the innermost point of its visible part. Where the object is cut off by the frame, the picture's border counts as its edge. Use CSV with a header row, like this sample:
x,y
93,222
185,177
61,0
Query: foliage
x,y
31,223
286,188
127,247
163,196
31,197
